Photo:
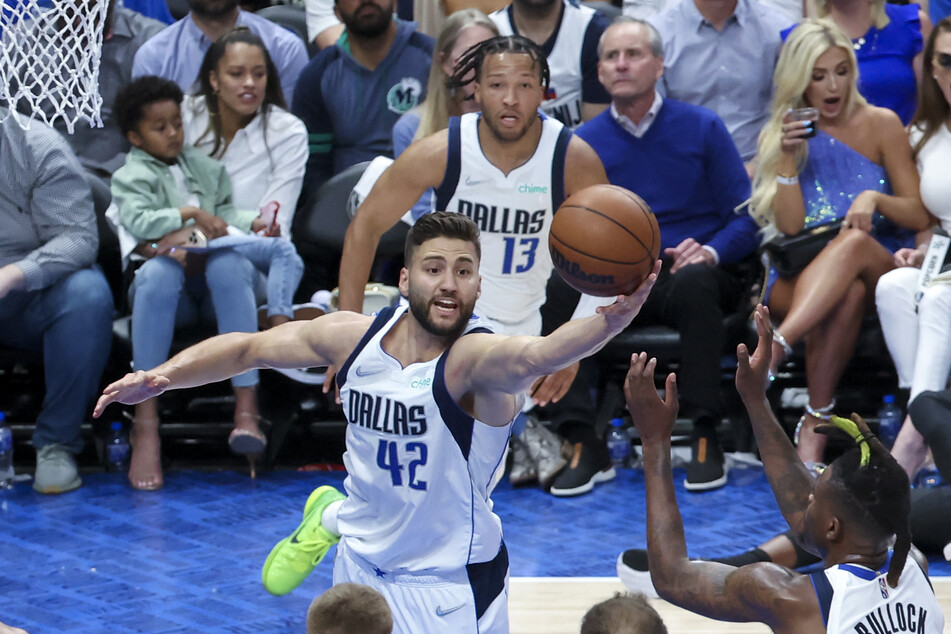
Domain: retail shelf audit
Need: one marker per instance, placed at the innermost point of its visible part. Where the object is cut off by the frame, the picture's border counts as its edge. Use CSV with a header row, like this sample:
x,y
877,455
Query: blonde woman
x,y
857,168
461,30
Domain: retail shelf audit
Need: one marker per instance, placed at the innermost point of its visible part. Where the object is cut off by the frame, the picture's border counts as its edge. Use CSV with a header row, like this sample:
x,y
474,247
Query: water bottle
x,y
6,453
117,448
889,420
619,444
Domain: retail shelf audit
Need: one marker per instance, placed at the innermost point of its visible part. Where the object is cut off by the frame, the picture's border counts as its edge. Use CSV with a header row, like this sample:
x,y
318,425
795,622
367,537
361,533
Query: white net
x,y
49,60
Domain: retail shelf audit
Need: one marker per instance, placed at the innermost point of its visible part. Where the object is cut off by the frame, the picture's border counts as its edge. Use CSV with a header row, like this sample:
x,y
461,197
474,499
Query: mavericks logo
x,y
404,95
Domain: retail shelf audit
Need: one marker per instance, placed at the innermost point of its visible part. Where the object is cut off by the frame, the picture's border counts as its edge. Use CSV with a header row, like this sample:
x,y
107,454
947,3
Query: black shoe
x,y
589,465
634,573
705,471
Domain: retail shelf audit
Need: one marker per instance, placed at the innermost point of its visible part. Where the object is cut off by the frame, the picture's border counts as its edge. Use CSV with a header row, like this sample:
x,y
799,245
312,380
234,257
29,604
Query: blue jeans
x,y
163,298
279,261
71,322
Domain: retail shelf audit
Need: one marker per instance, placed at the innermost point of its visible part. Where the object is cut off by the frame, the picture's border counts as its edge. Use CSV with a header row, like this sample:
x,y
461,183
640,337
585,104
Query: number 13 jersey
x,y
514,212
420,469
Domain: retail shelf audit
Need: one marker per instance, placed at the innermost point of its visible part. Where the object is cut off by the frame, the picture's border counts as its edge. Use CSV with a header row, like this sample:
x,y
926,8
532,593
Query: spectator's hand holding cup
x,y
799,124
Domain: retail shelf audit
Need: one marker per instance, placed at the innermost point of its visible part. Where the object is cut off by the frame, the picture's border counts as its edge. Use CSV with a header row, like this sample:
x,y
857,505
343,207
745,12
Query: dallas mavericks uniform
x,y
514,213
417,523
564,97
858,600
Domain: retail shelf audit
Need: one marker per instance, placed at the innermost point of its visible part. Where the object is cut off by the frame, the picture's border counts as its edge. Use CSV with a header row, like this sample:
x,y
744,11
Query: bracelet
x,y
787,180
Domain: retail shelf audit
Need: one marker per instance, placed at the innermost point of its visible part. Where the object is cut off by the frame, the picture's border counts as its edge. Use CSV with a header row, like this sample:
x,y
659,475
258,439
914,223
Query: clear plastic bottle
x,y
6,453
889,420
619,444
117,448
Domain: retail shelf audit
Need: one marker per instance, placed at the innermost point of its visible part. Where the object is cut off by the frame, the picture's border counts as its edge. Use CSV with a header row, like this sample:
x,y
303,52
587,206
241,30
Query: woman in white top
x,y
238,117
919,339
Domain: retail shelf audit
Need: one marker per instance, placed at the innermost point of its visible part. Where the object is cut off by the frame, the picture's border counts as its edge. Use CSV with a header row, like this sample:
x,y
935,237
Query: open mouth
x,y
446,304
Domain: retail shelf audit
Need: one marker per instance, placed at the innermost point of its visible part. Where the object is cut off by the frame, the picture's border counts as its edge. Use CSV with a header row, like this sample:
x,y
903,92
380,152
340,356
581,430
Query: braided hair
x,y
873,488
469,66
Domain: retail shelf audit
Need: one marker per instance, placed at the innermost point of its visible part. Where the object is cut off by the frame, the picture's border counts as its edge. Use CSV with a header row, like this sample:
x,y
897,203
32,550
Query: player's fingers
x,y
670,396
742,356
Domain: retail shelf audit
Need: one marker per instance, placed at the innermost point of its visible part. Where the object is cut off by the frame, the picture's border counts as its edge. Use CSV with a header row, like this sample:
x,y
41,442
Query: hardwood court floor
x,y
107,559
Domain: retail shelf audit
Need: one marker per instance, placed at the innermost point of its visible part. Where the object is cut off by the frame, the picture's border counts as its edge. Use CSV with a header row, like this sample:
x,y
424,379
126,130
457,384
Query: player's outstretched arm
x,y
513,364
788,477
715,590
296,344
421,166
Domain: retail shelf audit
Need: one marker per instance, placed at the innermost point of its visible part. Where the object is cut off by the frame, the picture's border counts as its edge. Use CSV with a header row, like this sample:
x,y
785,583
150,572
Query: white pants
x,y
920,343
432,604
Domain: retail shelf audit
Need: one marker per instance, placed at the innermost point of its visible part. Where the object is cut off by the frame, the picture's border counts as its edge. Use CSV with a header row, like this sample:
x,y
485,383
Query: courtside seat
x,y
320,226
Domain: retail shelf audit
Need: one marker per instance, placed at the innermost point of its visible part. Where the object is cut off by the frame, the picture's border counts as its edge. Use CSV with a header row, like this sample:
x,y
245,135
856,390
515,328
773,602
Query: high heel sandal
x,y
787,351
248,442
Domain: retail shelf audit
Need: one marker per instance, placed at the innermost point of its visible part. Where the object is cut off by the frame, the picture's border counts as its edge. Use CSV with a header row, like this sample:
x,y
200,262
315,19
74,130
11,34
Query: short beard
x,y
420,309
367,29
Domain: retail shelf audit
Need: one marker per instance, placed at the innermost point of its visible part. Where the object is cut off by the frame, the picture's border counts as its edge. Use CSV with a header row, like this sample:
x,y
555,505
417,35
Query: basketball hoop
x,y
49,60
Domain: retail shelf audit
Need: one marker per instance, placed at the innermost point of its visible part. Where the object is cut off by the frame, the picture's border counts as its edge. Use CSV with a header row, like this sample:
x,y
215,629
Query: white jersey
x,y
513,212
564,98
858,600
419,468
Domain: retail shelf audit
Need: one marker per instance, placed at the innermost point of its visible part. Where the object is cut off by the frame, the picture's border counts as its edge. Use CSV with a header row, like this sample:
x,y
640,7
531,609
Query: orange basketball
x,y
604,240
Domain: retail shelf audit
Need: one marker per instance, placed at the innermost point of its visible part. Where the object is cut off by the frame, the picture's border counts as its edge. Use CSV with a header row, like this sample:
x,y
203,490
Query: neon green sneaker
x,y
294,557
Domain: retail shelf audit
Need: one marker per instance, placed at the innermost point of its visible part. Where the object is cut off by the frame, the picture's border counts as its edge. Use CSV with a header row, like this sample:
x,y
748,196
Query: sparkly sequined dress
x,y
833,176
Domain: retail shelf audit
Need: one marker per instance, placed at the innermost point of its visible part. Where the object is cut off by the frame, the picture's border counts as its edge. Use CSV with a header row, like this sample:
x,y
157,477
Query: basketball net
x,y
49,60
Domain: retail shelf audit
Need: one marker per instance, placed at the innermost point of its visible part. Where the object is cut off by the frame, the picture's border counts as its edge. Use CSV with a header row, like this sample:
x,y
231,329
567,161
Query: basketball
x,y
604,241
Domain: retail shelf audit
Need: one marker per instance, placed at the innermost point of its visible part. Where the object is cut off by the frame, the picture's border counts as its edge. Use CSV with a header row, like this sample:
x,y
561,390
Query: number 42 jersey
x,y
420,469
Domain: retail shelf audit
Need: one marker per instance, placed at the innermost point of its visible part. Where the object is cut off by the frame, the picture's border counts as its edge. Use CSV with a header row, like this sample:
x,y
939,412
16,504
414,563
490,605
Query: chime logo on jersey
x,y
386,415
493,219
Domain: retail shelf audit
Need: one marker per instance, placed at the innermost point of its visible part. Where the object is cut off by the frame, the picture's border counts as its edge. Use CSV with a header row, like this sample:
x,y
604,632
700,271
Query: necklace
x,y
859,43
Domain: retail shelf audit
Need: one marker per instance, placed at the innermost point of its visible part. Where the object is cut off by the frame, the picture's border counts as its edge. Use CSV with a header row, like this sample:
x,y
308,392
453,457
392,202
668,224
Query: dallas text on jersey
x,y
386,415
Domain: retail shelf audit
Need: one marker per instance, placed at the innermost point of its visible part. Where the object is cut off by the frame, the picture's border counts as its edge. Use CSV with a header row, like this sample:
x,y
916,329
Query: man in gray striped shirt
x,y
52,298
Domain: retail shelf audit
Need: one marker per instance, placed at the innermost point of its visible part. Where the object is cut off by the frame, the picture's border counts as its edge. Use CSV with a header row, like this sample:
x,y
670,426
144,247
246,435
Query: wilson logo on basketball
x,y
569,267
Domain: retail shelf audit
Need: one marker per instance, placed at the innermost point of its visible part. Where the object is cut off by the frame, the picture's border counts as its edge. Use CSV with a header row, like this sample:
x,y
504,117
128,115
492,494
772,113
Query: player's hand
x,y
861,211
654,418
910,257
689,252
550,389
329,382
752,372
622,312
133,388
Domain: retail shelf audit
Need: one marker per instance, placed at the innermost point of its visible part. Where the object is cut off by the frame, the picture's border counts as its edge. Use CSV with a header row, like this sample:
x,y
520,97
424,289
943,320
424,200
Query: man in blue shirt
x,y
680,159
720,54
176,52
352,93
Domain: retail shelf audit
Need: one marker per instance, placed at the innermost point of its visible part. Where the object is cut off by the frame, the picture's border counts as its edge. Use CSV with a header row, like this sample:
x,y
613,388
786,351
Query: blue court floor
x,y
188,558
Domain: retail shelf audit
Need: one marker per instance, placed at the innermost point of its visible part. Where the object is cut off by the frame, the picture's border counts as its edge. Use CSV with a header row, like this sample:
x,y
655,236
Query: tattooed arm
x,y
765,593
788,477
